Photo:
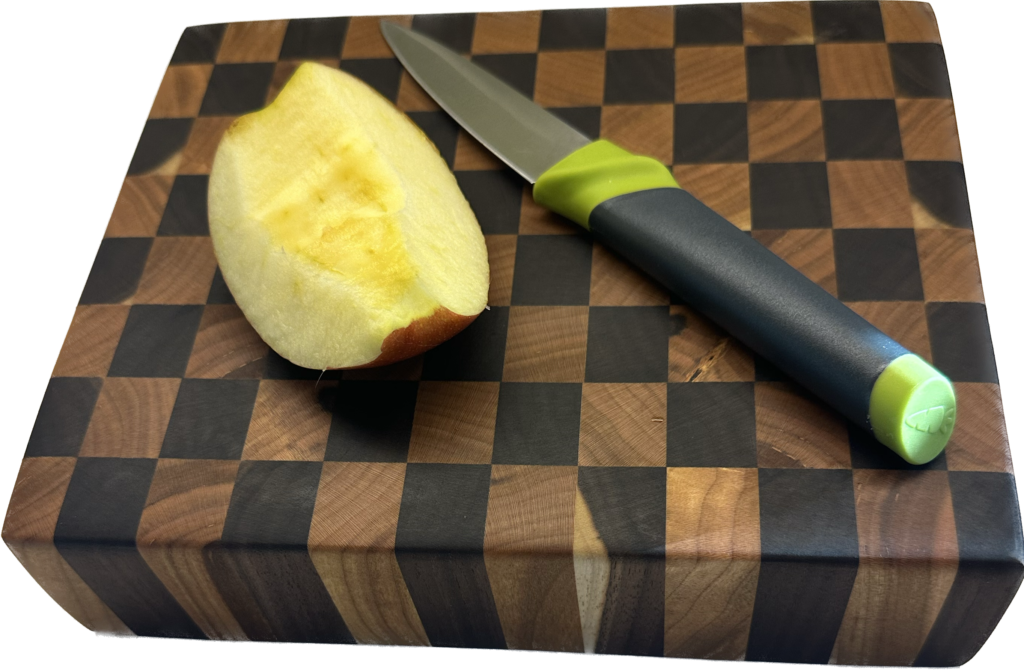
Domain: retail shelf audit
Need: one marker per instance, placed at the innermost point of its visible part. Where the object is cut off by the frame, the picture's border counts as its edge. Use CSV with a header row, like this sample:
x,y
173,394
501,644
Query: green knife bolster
x,y
584,179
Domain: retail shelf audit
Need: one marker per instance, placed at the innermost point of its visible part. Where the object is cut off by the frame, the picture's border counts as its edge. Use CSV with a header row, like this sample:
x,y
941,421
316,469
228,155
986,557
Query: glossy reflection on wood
x,y
528,548
712,550
908,560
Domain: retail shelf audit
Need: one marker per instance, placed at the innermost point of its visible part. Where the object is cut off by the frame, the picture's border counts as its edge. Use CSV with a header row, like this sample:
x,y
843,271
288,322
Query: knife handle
x,y
633,205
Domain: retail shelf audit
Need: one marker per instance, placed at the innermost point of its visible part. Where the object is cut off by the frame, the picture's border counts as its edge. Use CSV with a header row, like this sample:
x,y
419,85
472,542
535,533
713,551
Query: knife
x,y
633,205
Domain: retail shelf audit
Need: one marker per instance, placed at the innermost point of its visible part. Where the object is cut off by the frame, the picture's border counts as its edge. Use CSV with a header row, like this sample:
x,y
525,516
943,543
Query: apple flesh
x,y
339,229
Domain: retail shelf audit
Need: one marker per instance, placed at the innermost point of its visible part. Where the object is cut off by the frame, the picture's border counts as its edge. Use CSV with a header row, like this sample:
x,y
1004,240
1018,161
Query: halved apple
x,y
340,230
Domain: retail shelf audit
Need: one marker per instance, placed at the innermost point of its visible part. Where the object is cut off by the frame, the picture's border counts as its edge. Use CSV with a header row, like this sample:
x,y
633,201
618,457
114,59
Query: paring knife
x,y
633,205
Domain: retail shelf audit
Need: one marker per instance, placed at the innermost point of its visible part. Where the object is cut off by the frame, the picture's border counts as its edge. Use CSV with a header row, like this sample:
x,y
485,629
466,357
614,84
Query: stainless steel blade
x,y
521,133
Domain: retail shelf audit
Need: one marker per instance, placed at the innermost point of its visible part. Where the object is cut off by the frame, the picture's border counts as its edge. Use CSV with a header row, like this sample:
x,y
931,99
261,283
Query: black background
x,y
80,114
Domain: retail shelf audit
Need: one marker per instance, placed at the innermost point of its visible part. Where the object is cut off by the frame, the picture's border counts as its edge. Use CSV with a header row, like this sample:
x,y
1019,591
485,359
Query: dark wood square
x,y
219,294
639,76
517,70
442,131
851,21
237,88
710,133
210,419
198,44
63,417
711,424
572,29
789,195
383,74
477,353
156,341
116,271
938,192
537,423
709,24
628,344
877,265
586,120
314,38
161,139
861,129
919,70
495,197
372,421
455,31
961,342
185,212
552,270
782,72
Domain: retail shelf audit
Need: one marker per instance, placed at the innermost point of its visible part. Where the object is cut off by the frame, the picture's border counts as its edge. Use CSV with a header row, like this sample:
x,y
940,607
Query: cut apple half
x,y
339,229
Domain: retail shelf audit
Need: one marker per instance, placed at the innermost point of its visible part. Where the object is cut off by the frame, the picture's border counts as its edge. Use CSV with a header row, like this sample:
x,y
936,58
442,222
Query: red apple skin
x,y
419,336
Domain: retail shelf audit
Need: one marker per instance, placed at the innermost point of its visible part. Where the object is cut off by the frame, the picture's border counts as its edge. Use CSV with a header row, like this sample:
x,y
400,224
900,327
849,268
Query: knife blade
x,y
633,205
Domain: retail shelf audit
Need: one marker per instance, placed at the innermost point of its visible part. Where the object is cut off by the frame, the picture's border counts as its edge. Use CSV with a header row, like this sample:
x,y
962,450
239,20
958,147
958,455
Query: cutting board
x,y
591,465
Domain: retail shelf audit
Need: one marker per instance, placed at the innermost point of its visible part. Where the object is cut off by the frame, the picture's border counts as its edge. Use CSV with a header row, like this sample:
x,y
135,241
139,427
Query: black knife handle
x,y
750,292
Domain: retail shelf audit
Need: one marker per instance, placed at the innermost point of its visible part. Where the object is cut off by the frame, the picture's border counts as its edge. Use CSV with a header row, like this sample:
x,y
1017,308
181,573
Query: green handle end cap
x,y
594,173
913,409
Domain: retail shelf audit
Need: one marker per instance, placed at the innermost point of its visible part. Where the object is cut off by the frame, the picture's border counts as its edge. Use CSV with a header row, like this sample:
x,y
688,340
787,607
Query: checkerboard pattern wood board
x,y
590,466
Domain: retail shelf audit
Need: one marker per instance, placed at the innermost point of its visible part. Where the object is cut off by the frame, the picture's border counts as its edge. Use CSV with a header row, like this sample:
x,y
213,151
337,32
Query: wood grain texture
x,y
288,423
592,570
908,560
869,194
699,351
28,531
909,22
949,265
197,156
506,32
501,257
641,129
785,130
615,281
795,430
179,271
471,155
628,512
808,250
412,97
226,346
724,187
454,422
777,23
569,78
903,321
623,424
546,344
928,130
979,442
855,71
710,74
252,41
363,38
537,220
528,545
139,206
91,341
181,91
130,417
187,504
640,28
712,556
352,540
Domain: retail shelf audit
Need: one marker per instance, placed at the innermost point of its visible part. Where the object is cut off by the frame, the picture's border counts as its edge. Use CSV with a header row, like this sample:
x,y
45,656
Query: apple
x,y
340,230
